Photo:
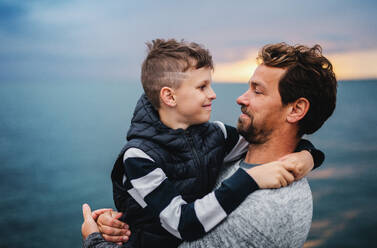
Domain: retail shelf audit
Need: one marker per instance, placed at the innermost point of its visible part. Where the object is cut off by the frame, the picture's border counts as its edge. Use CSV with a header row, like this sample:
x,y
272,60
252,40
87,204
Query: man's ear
x,y
167,96
297,110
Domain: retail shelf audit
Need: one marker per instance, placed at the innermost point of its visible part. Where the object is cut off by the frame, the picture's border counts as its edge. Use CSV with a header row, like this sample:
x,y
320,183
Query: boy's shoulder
x,y
229,132
222,127
141,147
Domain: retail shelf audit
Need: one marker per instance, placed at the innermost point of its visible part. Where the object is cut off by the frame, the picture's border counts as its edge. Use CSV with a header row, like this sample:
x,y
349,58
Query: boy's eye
x,y
202,87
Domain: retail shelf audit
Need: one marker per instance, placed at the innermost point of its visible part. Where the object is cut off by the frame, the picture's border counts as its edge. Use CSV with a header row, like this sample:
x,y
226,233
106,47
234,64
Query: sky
x,y
90,40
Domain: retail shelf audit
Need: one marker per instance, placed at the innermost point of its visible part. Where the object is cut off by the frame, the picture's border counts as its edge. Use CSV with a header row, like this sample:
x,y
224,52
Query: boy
x,y
164,175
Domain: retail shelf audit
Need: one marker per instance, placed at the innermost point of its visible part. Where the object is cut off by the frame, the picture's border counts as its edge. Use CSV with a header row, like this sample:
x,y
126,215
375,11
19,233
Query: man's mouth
x,y
244,113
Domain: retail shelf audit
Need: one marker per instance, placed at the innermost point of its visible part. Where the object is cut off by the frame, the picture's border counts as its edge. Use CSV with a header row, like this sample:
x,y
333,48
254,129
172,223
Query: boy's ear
x,y
297,110
167,96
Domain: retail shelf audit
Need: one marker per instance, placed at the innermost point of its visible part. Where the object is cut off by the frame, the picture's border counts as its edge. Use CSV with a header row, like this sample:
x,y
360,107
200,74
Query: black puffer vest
x,y
190,158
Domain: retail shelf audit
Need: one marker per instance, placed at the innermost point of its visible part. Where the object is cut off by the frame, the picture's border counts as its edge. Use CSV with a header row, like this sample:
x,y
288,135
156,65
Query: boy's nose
x,y
212,94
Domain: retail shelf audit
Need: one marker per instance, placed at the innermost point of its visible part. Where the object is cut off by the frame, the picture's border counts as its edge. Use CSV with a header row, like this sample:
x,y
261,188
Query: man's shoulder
x,y
283,201
284,215
298,189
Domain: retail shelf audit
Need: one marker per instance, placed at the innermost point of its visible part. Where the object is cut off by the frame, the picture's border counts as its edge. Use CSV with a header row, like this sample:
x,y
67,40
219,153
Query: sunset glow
x,y
239,71
347,66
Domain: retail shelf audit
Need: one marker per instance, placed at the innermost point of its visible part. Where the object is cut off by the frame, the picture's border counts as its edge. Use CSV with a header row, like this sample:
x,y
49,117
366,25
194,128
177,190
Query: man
x,y
292,93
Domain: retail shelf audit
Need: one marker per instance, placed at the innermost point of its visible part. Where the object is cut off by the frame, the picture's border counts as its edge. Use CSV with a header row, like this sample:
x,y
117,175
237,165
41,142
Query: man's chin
x,y
250,134
243,130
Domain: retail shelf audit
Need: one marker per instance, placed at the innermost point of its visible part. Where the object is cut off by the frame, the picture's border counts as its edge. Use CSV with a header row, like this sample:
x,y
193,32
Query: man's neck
x,y
273,149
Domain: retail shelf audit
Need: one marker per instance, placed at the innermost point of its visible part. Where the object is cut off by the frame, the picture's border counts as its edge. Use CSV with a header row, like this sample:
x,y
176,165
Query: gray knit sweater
x,y
267,218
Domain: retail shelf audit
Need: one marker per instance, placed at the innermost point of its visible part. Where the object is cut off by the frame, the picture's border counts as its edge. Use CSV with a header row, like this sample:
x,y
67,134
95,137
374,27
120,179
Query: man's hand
x,y
89,225
111,228
298,163
271,175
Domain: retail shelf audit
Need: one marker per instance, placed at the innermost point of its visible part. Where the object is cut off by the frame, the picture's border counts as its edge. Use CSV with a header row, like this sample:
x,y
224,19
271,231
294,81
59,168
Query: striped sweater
x,y
147,183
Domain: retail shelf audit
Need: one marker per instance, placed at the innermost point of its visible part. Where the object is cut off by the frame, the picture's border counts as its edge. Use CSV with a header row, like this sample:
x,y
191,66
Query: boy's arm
x,y
317,155
300,163
189,221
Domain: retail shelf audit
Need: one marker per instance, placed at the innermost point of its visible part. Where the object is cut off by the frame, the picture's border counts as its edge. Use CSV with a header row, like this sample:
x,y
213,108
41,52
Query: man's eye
x,y
257,92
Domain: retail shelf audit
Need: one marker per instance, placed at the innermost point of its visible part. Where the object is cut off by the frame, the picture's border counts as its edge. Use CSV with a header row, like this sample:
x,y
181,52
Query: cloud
x,y
94,40
355,64
347,66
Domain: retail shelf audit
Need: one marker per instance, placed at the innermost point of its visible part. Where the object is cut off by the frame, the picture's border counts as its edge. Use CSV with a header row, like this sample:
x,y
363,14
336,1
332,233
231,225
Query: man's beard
x,y
252,134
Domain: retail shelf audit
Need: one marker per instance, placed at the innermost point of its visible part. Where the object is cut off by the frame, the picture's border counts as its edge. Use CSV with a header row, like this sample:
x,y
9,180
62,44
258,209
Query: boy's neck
x,y
168,118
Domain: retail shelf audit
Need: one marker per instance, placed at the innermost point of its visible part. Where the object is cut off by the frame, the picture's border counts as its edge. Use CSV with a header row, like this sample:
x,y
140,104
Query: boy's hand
x,y
298,163
271,175
112,229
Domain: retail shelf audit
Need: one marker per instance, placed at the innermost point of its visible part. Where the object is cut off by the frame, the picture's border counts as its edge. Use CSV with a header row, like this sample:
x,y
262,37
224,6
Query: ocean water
x,y
58,143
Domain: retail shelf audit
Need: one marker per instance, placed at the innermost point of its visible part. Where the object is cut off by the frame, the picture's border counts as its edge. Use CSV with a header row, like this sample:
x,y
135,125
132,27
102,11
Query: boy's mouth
x,y
207,106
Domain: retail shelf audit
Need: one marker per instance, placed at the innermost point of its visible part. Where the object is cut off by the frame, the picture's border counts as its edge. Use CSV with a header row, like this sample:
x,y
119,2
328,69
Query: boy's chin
x,y
201,121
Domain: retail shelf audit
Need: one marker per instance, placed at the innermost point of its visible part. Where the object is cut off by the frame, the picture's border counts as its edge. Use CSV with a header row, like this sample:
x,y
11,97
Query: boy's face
x,y
194,97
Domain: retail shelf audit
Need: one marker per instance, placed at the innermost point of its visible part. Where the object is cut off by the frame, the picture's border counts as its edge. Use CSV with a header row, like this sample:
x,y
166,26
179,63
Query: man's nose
x,y
244,98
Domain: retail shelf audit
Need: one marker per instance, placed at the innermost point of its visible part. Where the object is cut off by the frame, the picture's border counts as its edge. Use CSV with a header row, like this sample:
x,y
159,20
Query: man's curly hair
x,y
310,75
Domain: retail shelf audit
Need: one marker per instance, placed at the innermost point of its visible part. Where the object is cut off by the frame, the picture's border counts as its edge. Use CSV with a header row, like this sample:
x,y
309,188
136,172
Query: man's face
x,y
261,106
194,97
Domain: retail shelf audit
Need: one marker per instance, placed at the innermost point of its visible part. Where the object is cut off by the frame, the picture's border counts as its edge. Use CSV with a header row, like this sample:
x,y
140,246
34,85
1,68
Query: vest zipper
x,y
196,157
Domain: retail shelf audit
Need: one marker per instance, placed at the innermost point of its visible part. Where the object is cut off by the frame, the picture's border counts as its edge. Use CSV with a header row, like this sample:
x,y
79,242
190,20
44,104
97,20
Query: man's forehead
x,y
267,76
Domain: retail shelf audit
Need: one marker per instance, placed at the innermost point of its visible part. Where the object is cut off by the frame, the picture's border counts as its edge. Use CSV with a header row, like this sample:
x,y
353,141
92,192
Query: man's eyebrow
x,y
257,84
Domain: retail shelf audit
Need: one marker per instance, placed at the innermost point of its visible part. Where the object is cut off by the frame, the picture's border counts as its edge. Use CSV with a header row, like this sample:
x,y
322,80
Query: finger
x,y
288,176
107,220
111,231
86,212
289,165
115,239
283,182
116,214
98,212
